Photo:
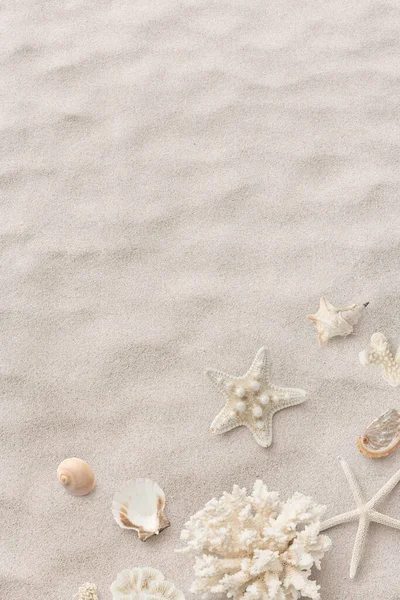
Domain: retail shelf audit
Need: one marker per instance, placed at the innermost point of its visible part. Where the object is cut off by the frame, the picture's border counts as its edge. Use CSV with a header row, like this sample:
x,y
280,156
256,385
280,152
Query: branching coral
x,y
381,354
256,547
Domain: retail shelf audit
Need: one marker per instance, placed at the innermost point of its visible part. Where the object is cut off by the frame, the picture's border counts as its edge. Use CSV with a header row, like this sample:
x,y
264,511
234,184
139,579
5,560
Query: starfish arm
x,y
219,379
288,396
260,367
225,420
353,483
351,515
263,436
377,517
359,545
385,490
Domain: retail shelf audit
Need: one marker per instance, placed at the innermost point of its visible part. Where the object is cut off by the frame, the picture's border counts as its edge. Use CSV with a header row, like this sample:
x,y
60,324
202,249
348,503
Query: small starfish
x,y
252,400
381,354
330,321
365,514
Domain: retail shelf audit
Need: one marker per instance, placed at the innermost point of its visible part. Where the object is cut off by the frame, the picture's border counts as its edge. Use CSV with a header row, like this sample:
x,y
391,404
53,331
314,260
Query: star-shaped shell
x,y
331,322
252,400
382,436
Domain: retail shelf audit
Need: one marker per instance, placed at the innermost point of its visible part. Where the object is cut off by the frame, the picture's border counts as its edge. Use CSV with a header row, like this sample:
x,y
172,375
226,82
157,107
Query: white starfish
x,y
365,514
252,399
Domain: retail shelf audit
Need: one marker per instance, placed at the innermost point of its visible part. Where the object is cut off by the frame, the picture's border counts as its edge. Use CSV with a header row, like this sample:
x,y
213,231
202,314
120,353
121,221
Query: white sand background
x,y
180,182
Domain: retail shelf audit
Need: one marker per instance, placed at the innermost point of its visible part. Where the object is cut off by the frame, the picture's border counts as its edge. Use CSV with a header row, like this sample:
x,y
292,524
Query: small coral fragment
x,y
87,591
381,354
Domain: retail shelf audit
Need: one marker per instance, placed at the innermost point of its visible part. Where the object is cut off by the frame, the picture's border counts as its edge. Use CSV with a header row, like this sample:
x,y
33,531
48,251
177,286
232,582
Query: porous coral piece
x,y
144,584
256,547
87,591
381,354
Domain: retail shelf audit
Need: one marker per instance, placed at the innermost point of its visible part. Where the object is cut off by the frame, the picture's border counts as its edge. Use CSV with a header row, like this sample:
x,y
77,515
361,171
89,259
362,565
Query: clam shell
x,y
382,436
139,505
142,584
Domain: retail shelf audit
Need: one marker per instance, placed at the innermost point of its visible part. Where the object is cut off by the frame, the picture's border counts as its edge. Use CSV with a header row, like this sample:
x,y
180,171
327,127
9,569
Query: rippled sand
x,y
180,181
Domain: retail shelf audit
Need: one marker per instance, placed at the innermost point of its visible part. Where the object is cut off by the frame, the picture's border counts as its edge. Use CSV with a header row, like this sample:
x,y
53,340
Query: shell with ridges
x,y
331,322
144,584
76,476
139,505
382,436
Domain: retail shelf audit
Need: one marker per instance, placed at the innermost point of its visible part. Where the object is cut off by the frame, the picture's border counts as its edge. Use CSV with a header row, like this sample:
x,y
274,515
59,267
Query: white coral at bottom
x,y
144,584
256,547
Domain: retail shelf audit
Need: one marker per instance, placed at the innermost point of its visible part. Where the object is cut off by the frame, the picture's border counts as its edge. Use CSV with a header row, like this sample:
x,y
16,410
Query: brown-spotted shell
x,y
76,476
139,505
382,436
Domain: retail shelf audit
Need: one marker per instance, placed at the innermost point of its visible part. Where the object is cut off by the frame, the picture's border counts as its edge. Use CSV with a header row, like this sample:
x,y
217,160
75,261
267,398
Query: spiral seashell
x,y
76,476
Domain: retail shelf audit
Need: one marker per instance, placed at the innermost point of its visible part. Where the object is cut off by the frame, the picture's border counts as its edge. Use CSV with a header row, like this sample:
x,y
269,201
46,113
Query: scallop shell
x,y
144,583
76,476
382,436
139,505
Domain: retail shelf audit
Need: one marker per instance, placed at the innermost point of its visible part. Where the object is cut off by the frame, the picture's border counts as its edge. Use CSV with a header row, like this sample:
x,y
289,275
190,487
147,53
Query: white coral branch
x,y
256,547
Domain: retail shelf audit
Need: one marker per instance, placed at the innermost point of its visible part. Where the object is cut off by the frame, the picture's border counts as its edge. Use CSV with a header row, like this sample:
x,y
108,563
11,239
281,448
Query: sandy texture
x,y
180,181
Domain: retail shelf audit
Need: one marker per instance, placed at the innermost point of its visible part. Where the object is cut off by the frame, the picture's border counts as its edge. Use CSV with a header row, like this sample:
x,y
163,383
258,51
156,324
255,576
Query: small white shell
x,y
330,321
139,505
139,584
76,476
